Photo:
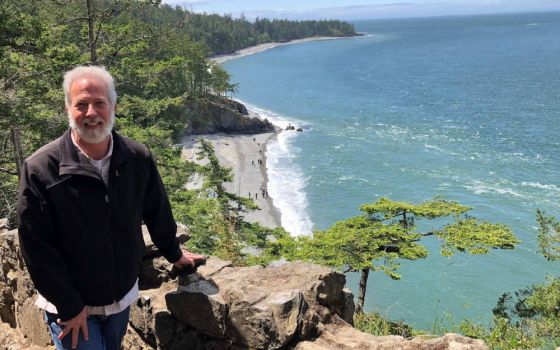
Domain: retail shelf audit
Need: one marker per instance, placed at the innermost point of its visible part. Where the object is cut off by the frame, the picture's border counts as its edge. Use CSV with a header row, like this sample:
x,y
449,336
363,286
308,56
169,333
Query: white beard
x,y
93,136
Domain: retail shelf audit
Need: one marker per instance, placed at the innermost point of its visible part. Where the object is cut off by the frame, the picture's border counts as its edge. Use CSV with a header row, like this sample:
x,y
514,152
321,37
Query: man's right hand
x,y
74,326
189,259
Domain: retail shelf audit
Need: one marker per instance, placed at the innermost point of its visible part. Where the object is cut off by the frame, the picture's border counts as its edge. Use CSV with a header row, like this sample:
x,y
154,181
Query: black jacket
x,y
81,240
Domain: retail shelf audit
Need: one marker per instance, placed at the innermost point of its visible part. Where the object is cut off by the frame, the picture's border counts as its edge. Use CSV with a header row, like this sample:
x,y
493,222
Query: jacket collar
x,y
70,161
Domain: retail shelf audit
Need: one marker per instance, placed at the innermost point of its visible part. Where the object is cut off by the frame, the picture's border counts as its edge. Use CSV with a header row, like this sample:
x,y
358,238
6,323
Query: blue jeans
x,y
105,332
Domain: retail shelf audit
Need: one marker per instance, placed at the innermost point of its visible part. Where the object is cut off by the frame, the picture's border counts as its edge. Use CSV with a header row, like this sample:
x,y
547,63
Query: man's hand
x,y
189,259
74,325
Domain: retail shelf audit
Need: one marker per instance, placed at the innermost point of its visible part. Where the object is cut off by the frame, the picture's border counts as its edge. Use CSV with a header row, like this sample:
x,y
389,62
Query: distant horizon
x,y
459,15
356,10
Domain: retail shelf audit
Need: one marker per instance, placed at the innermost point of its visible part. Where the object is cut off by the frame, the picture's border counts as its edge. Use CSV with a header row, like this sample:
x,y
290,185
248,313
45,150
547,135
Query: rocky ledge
x,y
287,306
222,115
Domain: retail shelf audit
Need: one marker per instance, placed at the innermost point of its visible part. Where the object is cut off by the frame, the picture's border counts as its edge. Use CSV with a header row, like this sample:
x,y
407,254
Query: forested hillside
x,y
225,34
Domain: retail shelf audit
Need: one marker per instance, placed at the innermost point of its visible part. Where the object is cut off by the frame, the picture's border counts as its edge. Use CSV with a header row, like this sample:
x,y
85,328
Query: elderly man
x,y
81,203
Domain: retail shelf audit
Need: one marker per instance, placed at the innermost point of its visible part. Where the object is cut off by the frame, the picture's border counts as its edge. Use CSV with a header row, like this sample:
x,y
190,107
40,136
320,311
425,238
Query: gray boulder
x,y
255,307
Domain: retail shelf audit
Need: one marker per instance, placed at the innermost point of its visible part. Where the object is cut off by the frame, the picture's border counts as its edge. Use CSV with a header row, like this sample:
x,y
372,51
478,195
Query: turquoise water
x,y
464,107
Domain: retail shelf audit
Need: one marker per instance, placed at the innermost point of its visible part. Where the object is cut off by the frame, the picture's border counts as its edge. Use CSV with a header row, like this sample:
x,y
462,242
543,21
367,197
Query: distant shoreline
x,y
267,46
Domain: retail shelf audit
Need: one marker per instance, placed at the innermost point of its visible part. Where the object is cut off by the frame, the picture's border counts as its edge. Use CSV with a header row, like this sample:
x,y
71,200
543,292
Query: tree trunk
x,y
18,150
92,48
362,289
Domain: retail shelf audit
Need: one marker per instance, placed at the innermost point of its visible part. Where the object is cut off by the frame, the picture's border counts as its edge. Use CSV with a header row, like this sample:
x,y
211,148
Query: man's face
x,y
90,112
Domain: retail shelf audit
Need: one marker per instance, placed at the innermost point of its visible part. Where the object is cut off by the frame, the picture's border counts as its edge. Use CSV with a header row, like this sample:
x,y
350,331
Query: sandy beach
x,y
242,153
263,47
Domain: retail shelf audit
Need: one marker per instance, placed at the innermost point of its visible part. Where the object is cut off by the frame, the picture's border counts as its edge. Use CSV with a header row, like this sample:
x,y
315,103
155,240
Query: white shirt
x,y
102,166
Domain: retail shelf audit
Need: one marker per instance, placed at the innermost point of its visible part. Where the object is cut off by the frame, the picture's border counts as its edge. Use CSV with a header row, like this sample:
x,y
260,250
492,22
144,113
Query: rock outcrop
x,y
209,116
342,337
24,321
287,306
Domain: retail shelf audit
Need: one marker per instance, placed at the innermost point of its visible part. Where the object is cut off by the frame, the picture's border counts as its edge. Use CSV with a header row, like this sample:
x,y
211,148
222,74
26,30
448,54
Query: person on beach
x,y
81,203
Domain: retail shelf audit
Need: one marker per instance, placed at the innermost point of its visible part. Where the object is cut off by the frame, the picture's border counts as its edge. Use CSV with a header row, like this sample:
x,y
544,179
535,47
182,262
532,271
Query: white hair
x,y
98,72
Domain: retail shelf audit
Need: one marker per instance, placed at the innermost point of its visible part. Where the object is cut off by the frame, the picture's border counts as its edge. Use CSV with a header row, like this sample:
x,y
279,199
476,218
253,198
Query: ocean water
x,y
464,107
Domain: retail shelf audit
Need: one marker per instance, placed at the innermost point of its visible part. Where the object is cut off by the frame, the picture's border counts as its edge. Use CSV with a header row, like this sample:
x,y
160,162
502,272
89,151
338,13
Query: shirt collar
x,y
106,156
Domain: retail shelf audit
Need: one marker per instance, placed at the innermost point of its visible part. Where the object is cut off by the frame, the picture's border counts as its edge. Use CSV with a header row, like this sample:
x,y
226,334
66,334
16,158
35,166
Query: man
x,y
81,204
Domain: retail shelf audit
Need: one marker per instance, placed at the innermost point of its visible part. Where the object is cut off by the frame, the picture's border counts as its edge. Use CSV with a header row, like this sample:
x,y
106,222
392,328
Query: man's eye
x,y
100,104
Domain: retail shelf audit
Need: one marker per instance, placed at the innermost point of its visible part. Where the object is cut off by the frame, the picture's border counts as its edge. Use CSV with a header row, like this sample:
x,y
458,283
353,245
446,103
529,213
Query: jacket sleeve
x,y
158,217
38,241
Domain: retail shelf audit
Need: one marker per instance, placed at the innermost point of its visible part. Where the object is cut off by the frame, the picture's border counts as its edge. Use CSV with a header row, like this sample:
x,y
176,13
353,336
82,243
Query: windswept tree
x,y
387,231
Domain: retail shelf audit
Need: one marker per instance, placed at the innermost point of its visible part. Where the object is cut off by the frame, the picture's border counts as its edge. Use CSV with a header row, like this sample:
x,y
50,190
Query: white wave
x,y
480,187
351,178
286,181
433,148
538,185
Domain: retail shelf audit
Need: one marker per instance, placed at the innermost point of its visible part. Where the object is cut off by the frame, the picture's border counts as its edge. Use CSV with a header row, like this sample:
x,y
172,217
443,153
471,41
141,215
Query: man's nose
x,y
90,110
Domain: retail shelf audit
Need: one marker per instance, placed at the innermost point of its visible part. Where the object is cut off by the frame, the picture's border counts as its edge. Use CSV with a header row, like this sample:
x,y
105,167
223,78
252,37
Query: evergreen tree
x,y
387,231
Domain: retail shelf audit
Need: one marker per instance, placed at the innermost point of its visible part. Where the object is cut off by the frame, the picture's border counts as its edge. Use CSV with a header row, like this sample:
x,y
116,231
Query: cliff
x,y
222,115
288,306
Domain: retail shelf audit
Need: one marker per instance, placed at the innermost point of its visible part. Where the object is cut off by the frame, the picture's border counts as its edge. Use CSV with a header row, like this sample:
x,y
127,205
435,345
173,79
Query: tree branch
x,y
131,41
103,18
67,21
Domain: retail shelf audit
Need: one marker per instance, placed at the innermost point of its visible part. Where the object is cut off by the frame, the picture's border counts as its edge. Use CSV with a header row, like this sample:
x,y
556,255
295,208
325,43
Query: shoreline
x,y
238,151
267,46
242,153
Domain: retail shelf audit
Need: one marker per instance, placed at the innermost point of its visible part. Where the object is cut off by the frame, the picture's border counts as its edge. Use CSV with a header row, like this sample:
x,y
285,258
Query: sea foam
x,y
286,181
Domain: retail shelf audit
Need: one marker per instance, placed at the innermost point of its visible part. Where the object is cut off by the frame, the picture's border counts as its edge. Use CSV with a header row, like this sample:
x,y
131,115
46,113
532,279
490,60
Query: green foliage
x,y
545,302
375,324
514,308
385,208
469,235
28,106
360,243
549,236
501,335
268,243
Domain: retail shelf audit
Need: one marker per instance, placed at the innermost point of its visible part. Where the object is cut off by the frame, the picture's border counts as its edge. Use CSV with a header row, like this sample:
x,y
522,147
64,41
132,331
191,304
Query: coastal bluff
x,y
284,306
222,115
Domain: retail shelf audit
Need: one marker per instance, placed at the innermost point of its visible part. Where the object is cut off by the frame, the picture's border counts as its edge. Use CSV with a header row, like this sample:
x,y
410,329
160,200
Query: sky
x,y
362,9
